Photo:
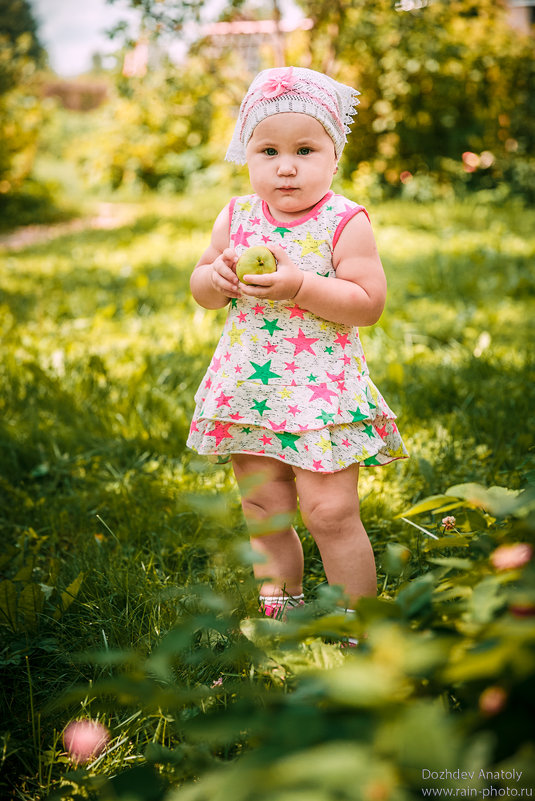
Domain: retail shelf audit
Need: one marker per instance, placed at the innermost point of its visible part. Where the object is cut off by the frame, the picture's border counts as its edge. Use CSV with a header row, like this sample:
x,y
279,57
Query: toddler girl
x,y
288,395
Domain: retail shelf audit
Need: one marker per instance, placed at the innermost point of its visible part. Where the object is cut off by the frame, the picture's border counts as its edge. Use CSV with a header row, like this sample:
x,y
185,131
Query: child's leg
x,y
329,506
268,494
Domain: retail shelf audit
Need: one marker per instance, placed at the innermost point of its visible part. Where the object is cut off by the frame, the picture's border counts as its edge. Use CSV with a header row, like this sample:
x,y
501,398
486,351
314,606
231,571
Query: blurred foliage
x,y
126,593
155,130
437,81
20,113
446,89
16,20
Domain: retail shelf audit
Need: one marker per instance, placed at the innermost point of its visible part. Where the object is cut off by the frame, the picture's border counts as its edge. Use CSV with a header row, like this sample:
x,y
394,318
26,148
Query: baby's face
x,y
291,162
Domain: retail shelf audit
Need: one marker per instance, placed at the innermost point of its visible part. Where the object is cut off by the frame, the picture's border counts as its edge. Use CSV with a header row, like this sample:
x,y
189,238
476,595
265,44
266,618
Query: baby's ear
x,y
335,167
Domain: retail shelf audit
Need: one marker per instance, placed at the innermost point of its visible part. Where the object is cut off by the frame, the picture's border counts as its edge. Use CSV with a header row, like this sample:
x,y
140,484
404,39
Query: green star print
x,y
262,372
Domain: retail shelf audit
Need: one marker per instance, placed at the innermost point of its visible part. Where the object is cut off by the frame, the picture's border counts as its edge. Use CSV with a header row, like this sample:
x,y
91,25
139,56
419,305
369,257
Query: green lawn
x,y
127,588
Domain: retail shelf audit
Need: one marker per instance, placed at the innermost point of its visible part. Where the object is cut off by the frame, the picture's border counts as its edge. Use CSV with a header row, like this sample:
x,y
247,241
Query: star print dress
x,y
283,382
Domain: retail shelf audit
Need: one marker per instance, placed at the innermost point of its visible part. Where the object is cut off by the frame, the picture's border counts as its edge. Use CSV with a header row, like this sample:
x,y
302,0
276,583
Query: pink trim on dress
x,y
344,221
231,206
300,220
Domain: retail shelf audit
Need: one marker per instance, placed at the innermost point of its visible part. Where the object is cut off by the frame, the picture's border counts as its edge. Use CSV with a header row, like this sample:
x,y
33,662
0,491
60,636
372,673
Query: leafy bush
x,y
20,112
437,80
154,131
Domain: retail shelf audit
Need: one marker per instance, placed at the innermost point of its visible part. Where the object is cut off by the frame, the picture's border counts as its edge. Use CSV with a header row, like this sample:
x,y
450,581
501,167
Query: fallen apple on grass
x,y
257,260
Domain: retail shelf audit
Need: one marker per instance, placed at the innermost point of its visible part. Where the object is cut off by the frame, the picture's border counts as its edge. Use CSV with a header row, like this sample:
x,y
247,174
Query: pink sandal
x,y
278,607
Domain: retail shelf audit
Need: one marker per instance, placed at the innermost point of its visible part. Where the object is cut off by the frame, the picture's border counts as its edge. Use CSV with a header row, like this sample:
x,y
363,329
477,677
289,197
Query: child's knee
x,y
325,516
270,499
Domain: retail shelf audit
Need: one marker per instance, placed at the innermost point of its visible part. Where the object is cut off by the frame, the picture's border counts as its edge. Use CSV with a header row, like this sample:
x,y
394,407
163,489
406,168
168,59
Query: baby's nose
x,y
286,166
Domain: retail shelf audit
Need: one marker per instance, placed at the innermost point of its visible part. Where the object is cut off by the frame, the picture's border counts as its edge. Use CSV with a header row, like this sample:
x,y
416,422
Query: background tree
x,y
21,114
438,81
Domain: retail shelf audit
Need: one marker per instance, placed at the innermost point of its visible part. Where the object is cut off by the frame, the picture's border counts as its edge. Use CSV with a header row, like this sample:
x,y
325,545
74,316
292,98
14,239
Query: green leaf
x,y
487,598
8,604
432,503
447,542
141,782
30,603
416,596
25,573
499,501
422,735
68,595
481,662
395,558
365,684
452,561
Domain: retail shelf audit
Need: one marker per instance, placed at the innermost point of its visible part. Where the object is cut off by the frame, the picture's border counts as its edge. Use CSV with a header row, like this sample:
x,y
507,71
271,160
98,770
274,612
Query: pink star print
x,y
216,364
317,465
322,391
193,426
294,410
277,426
382,431
255,221
342,339
345,442
242,317
266,440
346,359
346,215
339,377
302,343
237,369
265,239
236,416
259,309
296,311
291,366
208,383
220,432
223,400
227,356
241,237
270,348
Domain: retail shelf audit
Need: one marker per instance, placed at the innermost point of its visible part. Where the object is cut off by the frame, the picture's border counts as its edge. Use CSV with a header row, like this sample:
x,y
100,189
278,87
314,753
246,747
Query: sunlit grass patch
x,y
125,580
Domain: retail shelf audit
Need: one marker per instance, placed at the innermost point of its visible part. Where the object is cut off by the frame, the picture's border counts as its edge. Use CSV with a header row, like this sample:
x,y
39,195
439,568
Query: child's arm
x,y
213,281
355,297
359,297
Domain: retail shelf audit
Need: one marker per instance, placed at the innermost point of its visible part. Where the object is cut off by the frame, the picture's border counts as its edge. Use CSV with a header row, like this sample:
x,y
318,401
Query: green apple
x,y
257,260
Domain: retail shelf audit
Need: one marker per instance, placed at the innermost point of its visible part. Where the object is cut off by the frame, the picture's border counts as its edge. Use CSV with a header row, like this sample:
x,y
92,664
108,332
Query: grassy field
x,y
126,593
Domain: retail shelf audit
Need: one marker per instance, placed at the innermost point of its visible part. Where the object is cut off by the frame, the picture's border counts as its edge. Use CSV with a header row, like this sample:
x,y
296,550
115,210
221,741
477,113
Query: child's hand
x,y
281,285
224,277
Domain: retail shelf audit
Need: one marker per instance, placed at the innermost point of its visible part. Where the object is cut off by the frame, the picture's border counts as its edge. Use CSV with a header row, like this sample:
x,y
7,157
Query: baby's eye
x,y
304,151
270,151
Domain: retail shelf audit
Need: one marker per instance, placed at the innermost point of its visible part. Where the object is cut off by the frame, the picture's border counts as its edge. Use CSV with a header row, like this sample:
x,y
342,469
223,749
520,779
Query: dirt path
x,y
108,215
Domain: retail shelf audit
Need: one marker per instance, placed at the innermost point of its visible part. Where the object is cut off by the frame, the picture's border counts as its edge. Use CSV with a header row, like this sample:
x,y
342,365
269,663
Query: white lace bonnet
x,y
294,89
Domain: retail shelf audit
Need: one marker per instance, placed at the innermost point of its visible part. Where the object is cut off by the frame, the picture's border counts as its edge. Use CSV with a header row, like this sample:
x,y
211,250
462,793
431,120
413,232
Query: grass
x,y
126,578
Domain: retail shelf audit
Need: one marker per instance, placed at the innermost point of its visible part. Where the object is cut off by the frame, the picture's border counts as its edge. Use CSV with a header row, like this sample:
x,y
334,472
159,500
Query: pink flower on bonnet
x,y
294,89
279,82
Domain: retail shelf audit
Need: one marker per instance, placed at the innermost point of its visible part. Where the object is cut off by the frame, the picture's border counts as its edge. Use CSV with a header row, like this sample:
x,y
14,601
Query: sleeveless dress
x,y
283,382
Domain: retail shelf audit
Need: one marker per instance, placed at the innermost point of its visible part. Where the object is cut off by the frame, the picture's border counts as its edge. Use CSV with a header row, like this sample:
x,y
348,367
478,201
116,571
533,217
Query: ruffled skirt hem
x,y
325,450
